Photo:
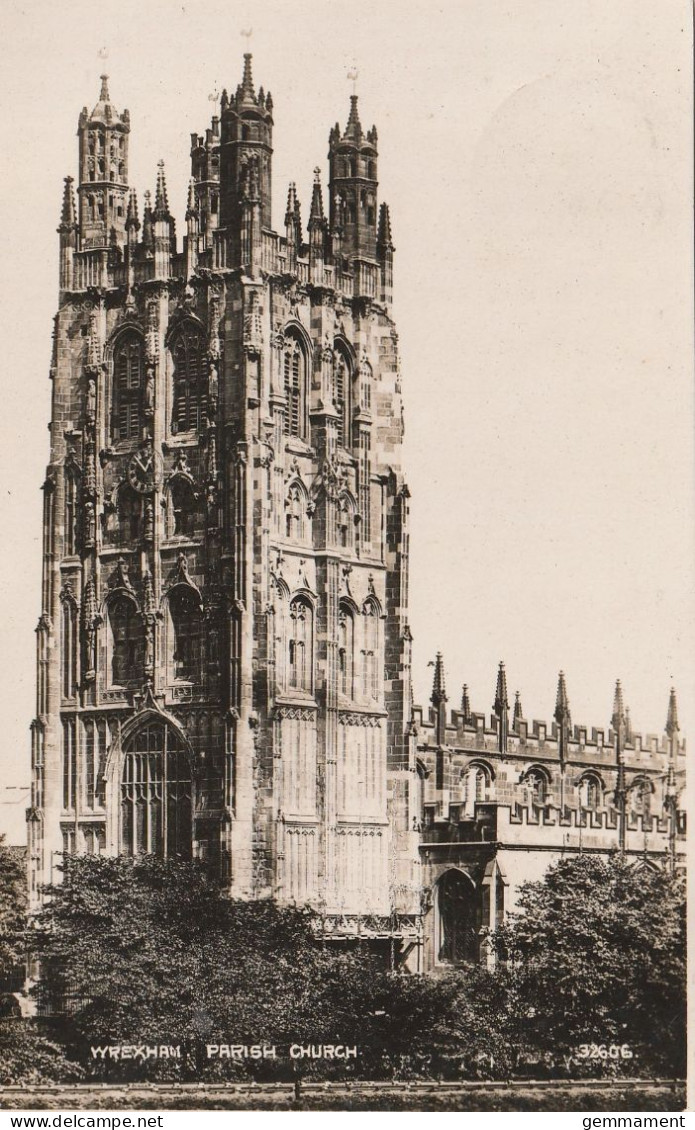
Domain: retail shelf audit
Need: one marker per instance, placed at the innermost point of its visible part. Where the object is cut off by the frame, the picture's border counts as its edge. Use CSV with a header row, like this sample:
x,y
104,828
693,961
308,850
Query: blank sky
x,y
536,155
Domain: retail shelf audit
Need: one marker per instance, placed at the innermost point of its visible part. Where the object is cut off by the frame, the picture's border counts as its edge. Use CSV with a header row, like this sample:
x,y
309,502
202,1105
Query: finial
x,y
465,704
68,216
518,710
190,203
353,130
501,702
383,237
562,706
353,75
316,216
438,686
291,203
618,716
317,175
672,726
161,203
132,220
247,80
104,92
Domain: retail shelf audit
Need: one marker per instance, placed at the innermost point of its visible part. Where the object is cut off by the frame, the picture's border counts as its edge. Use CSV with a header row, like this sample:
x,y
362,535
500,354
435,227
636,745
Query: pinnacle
x,y
465,703
104,92
190,203
618,716
316,217
291,203
161,202
247,80
672,726
438,686
384,238
562,706
518,709
132,220
353,130
501,702
68,217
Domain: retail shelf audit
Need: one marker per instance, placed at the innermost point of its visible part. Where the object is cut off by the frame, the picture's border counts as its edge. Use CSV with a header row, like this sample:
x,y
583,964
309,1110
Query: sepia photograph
x,y
347,586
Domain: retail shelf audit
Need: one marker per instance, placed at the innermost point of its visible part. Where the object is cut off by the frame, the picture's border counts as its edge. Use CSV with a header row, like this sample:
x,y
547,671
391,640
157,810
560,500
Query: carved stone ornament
x,y
120,578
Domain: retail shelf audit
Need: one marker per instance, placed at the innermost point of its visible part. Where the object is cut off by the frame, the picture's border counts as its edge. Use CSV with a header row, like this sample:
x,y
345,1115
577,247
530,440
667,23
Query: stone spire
x,y
383,237
672,726
317,220
291,208
618,716
245,91
501,708
562,706
68,213
353,130
439,694
518,711
132,221
191,208
161,200
466,704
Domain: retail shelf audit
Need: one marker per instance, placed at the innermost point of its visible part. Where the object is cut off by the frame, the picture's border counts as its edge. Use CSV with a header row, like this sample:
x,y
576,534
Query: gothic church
x,y
224,656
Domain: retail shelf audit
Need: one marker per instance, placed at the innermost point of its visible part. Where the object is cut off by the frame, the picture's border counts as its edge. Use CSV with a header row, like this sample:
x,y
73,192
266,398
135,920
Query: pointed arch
x,y
591,789
181,506
69,642
72,485
184,634
296,510
346,647
347,511
477,780
300,644
371,649
640,795
188,347
125,639
537,781
457,918
128,374
343,377
295,380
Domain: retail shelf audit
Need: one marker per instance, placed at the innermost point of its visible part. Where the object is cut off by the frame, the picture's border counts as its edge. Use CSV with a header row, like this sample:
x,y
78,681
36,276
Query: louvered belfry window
x,y
156,794
294,381
190,380
127,387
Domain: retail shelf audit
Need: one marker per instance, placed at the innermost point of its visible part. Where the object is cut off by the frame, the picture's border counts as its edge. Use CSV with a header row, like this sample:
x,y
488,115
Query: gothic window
x,y
342,383
346,650
370,651
182,509
294,507
300,645
126,641
346,522
366,385
70,645
127,384
640,797
476,784
129,507
458,926
537,784
186,623
156,794
190,379
294,379
71,511
69,763
590,792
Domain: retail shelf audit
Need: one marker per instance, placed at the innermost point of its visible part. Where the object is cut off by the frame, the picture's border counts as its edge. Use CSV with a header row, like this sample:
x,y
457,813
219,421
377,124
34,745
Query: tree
x,y
598,958
13,916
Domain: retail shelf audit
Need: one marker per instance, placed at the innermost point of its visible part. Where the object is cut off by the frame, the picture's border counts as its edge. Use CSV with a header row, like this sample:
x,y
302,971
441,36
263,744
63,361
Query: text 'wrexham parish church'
x,y
224,657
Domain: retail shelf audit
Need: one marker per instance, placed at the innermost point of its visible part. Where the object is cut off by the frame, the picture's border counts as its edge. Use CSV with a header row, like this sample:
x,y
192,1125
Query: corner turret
x,y
245,157
103,180
353,186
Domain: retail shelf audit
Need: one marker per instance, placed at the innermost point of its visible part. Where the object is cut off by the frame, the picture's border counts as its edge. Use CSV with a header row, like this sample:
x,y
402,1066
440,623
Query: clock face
x,y
142,471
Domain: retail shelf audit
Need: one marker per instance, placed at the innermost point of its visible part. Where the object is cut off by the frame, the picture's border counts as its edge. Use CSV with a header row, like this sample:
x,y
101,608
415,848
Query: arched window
x,y
128,367
370,651
71,511
129,507
300,660
126,641
294,380
190,379
537,785
346,650
186,624
640,797
476,785
346,522
365,385
458,919
156,794
182,507
590,792
69,646
342,385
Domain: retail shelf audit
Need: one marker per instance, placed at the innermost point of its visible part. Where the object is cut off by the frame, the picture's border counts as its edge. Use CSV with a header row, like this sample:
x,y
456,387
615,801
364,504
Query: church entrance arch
x,y
456,933
156,793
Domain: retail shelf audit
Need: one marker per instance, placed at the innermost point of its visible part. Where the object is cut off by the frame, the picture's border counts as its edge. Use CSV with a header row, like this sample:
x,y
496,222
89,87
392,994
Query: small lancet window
x,y
300,645
190,379
184,609
294,380
127,640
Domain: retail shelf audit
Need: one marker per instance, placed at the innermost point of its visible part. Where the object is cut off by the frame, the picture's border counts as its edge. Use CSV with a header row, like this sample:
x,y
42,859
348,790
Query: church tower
x,y
223,646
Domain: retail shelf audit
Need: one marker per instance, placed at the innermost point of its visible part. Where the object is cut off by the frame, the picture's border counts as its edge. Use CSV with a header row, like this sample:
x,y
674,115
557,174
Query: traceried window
x,y
182,509
186,623
294,511
69,645
590,792
156,794
126,641
370,651
294,380
342,382
457,925
300,645
346,651
128,366
640,797
190,379
129,509
537,785
71,511
475,787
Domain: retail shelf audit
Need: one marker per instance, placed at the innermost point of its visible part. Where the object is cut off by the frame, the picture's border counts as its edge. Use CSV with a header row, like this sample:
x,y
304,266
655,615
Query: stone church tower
x,y
223,647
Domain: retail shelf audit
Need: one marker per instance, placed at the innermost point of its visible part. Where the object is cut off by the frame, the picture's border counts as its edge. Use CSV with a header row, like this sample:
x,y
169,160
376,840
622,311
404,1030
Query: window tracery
x,y
190,379
128,367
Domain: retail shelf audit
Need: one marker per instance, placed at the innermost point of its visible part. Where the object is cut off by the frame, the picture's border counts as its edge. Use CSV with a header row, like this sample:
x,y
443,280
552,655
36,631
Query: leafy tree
x,y
13,912
598,957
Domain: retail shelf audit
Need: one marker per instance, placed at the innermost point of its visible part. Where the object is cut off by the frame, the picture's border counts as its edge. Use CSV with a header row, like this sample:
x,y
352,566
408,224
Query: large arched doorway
x,y
457,919
156,794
